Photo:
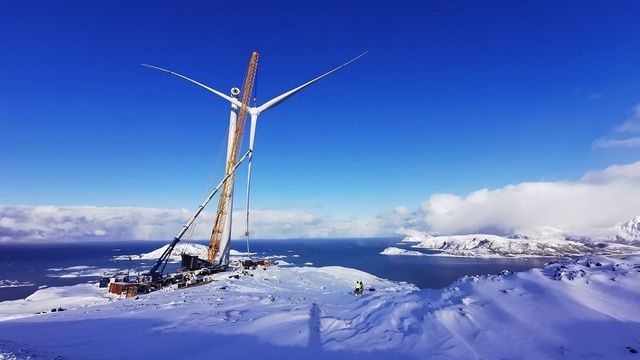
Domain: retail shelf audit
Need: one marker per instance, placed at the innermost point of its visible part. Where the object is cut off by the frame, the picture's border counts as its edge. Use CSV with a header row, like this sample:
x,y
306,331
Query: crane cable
x,y
192,229
210,183
246,231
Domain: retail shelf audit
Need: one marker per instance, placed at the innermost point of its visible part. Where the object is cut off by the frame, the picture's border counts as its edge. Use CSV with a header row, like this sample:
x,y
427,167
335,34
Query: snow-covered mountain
x,y
399,251
483,245
544,241
628,231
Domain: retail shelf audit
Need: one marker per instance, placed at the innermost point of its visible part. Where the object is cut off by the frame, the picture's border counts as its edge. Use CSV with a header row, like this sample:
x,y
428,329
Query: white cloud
x,y
623,135
598,200
615,173
91,223
73,223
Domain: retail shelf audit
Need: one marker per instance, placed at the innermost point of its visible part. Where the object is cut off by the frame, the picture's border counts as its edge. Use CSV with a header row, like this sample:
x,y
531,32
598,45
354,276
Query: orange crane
x,y
224,204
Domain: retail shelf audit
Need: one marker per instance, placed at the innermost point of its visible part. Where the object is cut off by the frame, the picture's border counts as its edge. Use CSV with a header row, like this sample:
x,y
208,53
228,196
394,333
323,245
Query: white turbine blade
x,y
278,99
222,95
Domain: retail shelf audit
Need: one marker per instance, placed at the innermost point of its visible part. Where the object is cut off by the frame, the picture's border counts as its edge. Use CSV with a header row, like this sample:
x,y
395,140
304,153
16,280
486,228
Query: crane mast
x,y
222,226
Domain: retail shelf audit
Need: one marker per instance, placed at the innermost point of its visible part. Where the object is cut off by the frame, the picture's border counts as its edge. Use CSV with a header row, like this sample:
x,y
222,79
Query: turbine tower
x,y
221,235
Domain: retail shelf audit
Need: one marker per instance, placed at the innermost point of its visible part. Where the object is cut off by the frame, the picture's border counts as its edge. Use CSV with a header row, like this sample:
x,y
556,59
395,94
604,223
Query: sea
x,y
26,268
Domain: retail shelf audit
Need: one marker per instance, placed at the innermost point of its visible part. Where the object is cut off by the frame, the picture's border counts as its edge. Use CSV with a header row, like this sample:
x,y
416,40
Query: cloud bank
x,y
50,223
595,202
586,207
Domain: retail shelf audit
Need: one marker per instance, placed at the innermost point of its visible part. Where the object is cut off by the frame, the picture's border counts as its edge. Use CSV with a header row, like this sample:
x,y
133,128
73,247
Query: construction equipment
x,y
218,251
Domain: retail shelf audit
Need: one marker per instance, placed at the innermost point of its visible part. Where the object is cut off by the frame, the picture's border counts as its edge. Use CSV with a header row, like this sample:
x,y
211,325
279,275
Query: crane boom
x,y
165,255
224,204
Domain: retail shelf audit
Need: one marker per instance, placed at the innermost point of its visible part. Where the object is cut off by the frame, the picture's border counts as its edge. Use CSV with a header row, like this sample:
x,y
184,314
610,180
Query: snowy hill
x,y
483,245
398,251
188,248
586,308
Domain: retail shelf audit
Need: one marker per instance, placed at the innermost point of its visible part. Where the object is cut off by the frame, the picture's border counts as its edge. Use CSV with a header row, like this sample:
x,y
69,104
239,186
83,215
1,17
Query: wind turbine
x,y
254,113
257,110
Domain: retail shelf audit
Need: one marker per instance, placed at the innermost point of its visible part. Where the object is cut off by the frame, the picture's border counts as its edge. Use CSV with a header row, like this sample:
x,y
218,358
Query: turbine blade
x,y
222,95
278,99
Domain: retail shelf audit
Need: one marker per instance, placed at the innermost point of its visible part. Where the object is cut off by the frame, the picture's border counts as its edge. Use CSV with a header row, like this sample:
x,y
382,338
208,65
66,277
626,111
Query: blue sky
x,y
452,97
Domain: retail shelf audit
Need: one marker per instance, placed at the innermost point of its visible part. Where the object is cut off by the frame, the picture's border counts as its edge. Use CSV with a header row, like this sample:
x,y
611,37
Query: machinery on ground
x,y
194,270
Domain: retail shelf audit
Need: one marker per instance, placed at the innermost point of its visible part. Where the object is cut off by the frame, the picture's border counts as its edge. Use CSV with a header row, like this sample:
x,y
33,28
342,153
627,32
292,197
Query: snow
x,y
14,283
399,251
416,237
198,250
45,299
201,251
487,246
582,308
628,231
16,351
72,268
623,238
541,233
81,271
625,232
240,253
275,257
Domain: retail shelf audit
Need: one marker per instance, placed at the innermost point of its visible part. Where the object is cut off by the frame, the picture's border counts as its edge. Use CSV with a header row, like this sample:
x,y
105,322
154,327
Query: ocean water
x,y
25,268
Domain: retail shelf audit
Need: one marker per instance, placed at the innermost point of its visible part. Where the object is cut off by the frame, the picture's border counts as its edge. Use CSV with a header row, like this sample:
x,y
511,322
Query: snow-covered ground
x,y
46,299
585,308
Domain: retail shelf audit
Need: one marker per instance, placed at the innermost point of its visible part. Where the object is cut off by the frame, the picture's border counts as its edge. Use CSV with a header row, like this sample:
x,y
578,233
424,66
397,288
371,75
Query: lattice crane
x,y
225,204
